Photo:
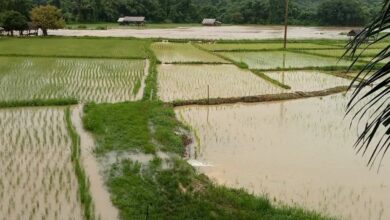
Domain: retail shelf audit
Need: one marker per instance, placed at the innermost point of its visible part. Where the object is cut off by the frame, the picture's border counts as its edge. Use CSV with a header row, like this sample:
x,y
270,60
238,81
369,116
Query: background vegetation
x,y
313,12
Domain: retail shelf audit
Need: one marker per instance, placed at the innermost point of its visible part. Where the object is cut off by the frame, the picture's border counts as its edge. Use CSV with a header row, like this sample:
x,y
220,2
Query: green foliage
x,y
38,102
47,17
13,20
150,90
341,12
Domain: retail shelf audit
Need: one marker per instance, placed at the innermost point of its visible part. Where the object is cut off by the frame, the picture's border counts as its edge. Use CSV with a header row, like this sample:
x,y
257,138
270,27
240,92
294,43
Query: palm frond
x,y
370,99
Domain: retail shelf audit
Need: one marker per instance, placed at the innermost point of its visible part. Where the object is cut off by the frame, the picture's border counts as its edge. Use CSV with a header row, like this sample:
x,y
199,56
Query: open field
x,y
282,60
248,32
73,47
262,46
191,82
297,152
183,53
307,81
37,180
97,26
95,80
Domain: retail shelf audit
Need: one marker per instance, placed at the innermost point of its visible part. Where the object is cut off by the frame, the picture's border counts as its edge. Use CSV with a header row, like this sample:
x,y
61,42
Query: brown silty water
x,y
103,206
295,152
38,180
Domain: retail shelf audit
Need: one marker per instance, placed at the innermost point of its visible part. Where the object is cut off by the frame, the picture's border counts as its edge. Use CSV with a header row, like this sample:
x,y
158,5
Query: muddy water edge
x,y
295,152
104,208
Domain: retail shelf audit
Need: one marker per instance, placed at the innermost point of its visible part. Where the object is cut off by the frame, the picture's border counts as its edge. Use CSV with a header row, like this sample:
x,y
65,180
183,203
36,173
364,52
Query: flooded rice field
x,y
295,152
95,80
307,81
216,33
262,46
281,59
192,82
180,52
38,180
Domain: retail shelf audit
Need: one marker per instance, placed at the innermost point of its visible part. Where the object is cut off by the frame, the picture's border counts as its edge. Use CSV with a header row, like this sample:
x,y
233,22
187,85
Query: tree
x,y
370,99
13,20
47,17
341,12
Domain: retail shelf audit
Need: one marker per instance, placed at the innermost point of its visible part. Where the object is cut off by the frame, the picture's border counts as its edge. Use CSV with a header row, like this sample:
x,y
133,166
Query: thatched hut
x,y
211,22
140,21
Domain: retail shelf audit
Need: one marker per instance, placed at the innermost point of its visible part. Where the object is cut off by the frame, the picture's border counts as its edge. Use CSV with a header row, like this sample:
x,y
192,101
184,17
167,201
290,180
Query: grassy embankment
x,y
166,188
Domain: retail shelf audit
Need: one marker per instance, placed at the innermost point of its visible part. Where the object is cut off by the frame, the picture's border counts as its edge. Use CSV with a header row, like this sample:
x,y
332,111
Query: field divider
x,y
262,98
241,65
38,103
271,80
83,189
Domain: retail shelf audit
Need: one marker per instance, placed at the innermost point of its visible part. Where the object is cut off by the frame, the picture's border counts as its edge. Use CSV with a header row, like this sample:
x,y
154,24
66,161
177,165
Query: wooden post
x,y
208,94
285,25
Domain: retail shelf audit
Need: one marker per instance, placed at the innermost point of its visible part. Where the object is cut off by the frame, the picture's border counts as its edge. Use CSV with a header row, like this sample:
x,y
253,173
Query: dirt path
x,y
103,207
215,33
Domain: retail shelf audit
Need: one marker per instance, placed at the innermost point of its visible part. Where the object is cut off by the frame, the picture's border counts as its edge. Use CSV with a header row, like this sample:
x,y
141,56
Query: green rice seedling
x,y
183,53
307,81
61,80
192,82
261,46
283,60
338,53
34,166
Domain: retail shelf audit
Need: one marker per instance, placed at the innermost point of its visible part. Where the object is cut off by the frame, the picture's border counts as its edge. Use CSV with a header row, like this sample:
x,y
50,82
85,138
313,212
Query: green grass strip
x,y
269,79
150,91
85,197
38,102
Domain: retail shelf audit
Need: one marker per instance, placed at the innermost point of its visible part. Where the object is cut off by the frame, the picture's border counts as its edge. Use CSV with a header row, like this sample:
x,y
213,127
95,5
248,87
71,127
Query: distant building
x,y
211,22
140,21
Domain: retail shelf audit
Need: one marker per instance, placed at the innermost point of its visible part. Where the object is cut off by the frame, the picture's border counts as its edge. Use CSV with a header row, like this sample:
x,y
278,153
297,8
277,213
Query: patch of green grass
x,y
150,90
164,189
74,47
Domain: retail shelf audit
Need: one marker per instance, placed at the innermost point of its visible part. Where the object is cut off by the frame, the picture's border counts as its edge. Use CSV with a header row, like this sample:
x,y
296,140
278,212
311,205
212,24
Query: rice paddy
x,y
183,53
296,152
282,60
97,80
38,180
339,53
262,46
307,81
192,82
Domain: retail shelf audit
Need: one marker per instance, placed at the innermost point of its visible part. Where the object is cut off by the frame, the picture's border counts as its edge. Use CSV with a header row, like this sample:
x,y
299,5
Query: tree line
x,y
301,12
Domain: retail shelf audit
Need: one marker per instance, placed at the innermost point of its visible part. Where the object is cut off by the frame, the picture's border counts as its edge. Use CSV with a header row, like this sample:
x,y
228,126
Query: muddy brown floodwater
x,y
296,152
216,33
101,198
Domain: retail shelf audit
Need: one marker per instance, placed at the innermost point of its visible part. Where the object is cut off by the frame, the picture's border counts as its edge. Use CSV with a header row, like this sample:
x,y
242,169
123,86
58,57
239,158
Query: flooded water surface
x,y
296,152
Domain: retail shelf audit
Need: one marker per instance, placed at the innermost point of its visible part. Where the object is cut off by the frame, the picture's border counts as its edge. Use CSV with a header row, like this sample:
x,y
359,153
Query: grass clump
x,y
38,102
269,79
167,188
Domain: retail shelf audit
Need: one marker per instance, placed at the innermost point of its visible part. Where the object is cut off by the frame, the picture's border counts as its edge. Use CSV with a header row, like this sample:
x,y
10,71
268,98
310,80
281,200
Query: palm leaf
x,y
370,100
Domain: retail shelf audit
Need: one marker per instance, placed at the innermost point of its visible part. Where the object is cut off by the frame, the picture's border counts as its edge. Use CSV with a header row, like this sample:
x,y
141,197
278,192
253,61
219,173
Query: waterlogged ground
x,y
38,180
296,152
307,81
98,80
183,52
192,82
281,59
